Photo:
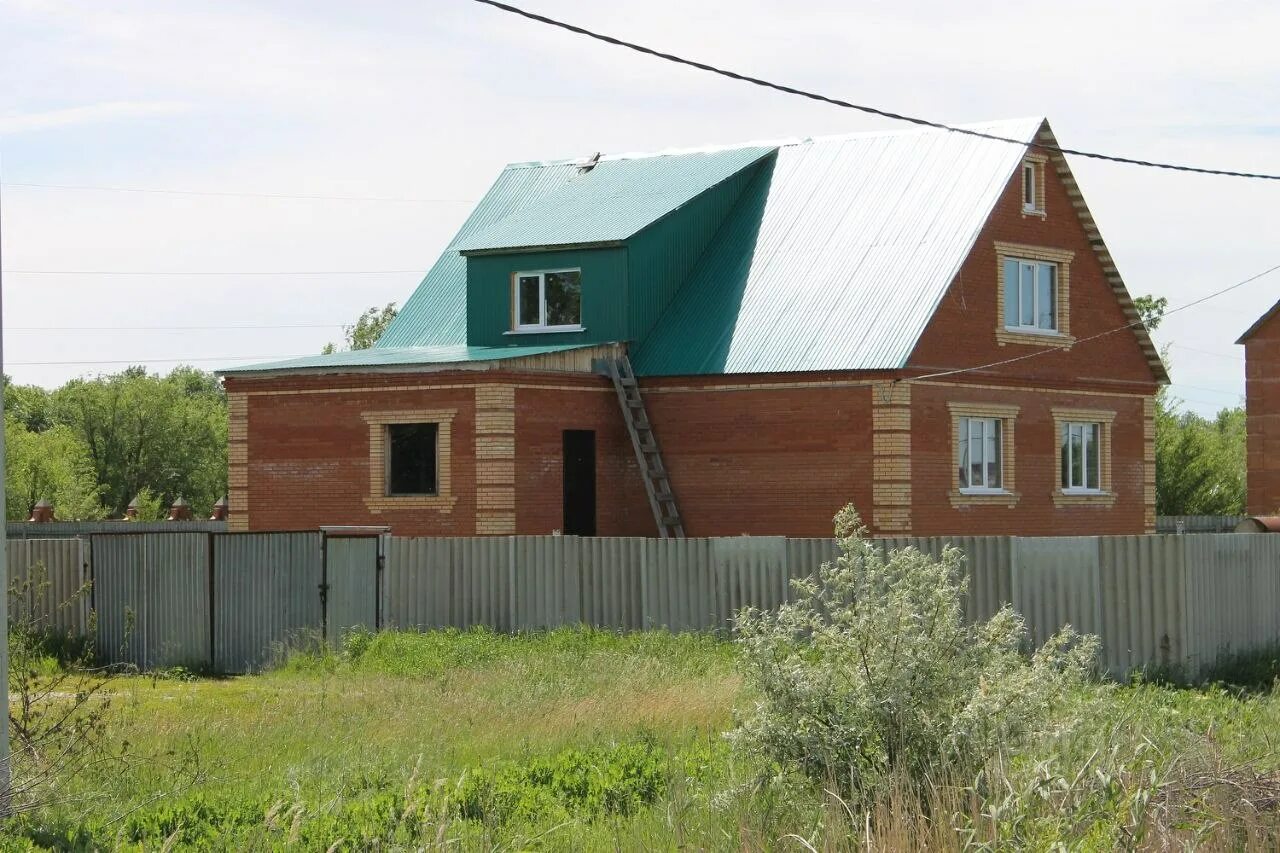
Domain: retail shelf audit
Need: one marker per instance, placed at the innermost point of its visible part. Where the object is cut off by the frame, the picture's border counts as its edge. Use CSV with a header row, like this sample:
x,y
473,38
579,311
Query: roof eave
x,y
556,247
1258,324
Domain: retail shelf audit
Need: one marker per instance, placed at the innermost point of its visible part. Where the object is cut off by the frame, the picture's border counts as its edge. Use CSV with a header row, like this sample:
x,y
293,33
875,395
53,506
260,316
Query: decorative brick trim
x,y
378,500
238,461
1061,257
495,460
1007,415
1149,463
1107,496
891,458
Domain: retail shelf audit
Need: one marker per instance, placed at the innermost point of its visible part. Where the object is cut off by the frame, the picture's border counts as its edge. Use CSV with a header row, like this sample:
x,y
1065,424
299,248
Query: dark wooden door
x,y
579,482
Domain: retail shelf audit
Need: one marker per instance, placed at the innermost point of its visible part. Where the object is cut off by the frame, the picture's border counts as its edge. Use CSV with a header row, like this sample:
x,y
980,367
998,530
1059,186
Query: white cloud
x,y
87,114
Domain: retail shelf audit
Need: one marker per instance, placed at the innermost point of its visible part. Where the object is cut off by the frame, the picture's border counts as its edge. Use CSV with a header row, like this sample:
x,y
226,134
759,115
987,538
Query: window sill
x,y
1033,211
546,330
1068,498
984,497
1007,335
383,503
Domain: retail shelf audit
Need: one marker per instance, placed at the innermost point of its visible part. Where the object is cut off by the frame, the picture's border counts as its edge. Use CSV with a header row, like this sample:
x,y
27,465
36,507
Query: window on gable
x,y
548,301
1081,456
1030,295
1033,185
980,452
412,460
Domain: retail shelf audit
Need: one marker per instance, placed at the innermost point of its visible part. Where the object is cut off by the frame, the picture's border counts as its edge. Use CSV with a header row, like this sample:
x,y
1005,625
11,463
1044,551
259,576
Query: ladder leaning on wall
x,y
656,482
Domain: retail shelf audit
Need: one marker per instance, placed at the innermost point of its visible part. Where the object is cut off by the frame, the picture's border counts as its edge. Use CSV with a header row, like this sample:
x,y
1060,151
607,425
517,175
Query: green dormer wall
x,y
604,296
661,256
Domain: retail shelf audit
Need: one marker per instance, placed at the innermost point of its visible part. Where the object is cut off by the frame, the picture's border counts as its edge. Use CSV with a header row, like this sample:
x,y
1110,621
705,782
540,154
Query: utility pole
x,y
6,777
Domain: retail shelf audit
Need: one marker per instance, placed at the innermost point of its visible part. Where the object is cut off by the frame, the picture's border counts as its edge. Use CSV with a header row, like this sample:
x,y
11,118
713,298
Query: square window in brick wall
x,y
411,464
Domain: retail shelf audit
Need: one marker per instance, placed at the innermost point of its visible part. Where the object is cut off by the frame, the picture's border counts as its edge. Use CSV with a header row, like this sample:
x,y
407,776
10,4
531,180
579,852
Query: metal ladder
x,y
661,499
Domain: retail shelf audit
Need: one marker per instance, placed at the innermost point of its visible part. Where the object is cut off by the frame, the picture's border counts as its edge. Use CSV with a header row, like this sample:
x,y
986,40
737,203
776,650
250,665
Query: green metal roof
x,y
612,201
343,362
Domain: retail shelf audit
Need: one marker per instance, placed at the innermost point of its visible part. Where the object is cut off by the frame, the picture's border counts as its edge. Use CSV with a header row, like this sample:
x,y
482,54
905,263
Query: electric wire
x,y
876,111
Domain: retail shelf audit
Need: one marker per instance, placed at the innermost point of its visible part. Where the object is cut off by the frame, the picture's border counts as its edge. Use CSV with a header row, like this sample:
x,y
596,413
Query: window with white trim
x,y
1029,195
548,301
980,454
1081,457
1030,295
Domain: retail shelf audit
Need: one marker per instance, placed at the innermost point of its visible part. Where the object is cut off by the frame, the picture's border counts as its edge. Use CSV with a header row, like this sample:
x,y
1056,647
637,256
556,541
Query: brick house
x,y
1262,407
792,313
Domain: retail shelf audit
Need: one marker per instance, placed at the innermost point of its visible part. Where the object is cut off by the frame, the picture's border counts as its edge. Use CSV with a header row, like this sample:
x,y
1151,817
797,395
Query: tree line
x,y
95,444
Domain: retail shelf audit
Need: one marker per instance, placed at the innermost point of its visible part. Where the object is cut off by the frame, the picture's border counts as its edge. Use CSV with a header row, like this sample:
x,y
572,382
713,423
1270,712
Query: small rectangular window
x,y
1030,295
411,459
1081,455
980,453
550,300
1029,194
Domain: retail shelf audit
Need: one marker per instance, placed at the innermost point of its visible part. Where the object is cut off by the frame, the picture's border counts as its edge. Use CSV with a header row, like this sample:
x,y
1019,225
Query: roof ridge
x,y
777,142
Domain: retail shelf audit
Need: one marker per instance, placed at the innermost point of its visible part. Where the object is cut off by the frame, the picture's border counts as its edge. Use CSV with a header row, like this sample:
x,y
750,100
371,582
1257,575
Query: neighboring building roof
x,y
611,201
399,357
1262,321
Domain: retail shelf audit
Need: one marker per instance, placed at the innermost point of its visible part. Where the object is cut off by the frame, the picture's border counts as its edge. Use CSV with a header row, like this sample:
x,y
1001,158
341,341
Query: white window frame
x,y
1035,267
1029,187
541,325
967,422
1092,448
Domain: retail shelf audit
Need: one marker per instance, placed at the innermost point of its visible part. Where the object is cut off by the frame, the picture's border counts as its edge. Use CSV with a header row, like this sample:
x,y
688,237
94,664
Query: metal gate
x,y
351,588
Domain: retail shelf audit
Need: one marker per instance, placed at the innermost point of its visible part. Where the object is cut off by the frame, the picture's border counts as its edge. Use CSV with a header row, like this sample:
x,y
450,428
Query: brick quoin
x,y
767,454
1262,403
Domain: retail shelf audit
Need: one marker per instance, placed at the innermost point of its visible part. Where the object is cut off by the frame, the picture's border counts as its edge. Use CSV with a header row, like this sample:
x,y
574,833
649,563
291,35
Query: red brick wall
x,y
1262,399
962,333
542,415
763,461
1036,466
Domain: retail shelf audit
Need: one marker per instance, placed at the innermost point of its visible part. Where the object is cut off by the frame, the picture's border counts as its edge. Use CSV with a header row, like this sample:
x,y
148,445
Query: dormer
x,y
599,257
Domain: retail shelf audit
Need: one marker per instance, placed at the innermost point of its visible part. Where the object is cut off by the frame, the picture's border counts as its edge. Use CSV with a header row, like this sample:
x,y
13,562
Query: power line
x,y
230,194
214,272
152,360
1209,390
174,328
827,99
1177,345
1135,324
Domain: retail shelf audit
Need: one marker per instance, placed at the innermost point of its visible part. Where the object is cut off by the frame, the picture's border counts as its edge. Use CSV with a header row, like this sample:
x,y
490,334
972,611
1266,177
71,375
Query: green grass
x,y
572,739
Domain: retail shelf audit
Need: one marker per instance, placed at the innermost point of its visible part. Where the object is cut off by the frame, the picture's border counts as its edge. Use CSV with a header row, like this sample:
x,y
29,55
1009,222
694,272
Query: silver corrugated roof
x,y
838,257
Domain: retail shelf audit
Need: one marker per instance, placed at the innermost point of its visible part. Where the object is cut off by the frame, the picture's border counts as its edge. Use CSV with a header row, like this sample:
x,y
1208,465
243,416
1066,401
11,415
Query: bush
x,y
870,678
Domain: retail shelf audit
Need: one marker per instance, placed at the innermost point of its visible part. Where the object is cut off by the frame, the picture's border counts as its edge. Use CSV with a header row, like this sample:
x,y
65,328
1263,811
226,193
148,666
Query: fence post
x,y
213,601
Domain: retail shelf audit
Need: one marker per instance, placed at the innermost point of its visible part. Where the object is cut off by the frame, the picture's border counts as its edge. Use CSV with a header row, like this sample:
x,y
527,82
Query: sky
x,y
415,107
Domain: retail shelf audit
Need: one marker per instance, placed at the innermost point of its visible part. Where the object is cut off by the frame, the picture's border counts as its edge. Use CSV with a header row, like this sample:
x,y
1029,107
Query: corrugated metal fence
x,y
1197,523
227,601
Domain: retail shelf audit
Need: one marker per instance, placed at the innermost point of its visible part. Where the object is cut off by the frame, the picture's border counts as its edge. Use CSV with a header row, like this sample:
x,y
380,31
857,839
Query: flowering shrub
x,y
871,675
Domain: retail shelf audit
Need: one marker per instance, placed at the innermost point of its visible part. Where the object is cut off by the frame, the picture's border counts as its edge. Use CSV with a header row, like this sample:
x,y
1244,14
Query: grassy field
x,y
588,740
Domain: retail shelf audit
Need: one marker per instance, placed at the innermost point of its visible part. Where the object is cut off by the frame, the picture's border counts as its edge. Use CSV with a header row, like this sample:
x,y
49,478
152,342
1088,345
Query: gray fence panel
x,y
1233,594
1055,583
481,582
750,571
417,588
678,585
1143,602
266,592
544,582
59,596
1197,523
805,556
988,565
610,574
351,575
151,594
